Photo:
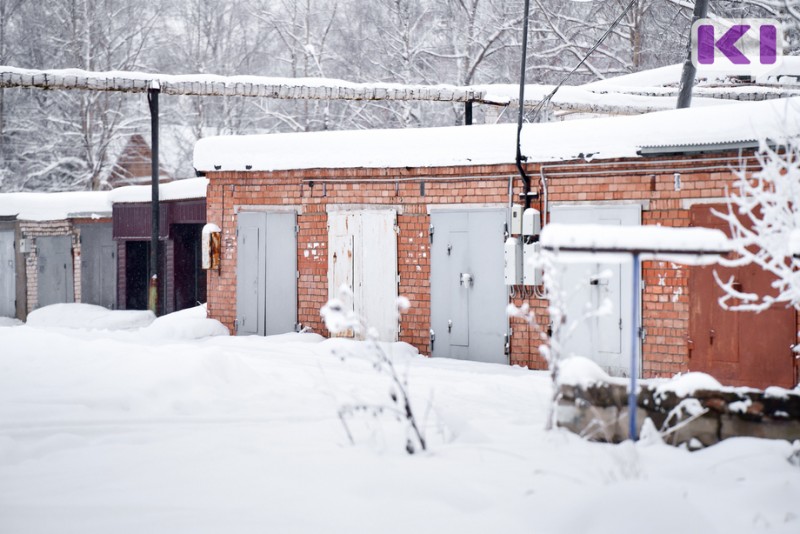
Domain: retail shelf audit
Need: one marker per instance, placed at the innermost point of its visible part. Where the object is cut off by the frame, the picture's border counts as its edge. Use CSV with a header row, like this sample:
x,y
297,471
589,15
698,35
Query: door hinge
x,y
507,344
433,338
296,229
397,229
430,234
297,275
642,333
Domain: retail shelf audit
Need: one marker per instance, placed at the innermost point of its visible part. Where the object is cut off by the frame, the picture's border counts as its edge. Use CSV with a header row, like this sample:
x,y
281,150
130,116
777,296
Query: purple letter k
x,y
726,44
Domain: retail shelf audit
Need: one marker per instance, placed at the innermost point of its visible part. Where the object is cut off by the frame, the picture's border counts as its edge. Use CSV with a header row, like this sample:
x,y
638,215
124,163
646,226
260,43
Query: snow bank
x,y
603,138
191,323
686,384
88,316
113,433
583,372
188,324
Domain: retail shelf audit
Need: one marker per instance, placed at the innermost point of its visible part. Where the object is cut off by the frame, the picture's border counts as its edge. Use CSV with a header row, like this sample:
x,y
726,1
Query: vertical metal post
x,y
152,98
468,113
634,348
689,70
526,181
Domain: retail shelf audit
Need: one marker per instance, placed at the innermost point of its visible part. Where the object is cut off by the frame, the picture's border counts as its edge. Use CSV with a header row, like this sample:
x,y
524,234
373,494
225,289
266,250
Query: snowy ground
x,y
149,430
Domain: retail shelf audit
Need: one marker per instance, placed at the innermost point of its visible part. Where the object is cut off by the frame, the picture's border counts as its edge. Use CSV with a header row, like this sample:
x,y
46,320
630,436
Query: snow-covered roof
x,y
670,76
91,204
55,206
603,138
177,190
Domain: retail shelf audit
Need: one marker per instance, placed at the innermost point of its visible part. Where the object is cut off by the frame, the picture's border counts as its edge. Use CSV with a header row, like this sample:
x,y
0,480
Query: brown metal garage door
x,y
738,348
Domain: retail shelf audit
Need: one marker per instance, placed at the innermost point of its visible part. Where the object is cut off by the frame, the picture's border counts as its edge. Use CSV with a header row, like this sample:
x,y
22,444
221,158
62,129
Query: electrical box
x,y
211,246
512,256
532,275
531,222
516,219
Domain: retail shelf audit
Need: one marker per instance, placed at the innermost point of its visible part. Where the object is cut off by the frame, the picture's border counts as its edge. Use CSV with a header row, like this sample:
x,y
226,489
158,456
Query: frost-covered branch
x,y
762,212
340,318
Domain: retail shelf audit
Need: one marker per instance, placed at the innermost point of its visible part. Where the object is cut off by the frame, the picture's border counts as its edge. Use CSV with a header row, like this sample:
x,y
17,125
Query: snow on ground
x,y
116,431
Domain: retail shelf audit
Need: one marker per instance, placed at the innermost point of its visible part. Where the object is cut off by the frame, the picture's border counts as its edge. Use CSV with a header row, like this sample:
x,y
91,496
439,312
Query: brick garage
x,y
33,232
647,180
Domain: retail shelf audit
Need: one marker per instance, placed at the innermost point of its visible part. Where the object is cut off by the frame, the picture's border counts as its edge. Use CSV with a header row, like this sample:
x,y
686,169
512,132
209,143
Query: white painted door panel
x,y
588,287
362,255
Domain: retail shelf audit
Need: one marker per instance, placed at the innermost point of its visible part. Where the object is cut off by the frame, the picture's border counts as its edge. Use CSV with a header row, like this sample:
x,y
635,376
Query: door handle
x,y
711,335
466,280
449,325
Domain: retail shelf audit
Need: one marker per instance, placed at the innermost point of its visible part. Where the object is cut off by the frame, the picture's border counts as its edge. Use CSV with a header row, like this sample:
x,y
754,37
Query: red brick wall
x,y
650,182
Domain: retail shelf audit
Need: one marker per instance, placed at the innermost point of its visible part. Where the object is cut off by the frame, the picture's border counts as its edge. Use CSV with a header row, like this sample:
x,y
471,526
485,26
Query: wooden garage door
x,y
737,348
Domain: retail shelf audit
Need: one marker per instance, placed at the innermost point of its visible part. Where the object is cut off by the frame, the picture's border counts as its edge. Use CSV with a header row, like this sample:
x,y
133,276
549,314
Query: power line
x,y
610,29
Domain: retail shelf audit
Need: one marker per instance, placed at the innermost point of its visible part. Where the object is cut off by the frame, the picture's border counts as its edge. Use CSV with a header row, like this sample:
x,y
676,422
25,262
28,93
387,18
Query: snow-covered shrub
x,y
340,318
561,329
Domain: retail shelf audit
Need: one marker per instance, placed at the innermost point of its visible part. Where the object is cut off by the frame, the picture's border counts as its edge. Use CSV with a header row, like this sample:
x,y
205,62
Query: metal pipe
x,y
391,180
152,98
689,70
526,182
543,182
634,348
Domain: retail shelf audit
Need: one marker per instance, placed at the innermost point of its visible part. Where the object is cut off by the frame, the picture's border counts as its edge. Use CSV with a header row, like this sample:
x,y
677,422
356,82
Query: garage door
x,y
588,286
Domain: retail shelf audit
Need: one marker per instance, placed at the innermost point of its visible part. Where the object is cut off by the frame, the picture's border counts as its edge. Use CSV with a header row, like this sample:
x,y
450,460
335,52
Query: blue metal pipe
x,y
634,348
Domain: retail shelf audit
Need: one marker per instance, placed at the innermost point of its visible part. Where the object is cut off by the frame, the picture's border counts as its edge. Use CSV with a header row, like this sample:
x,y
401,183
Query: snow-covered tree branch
x,y
763,211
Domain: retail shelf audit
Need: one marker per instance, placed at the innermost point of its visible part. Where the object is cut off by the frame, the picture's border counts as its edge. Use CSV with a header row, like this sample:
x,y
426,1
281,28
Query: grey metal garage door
x,y
468,295
266,271
8,275
55,276
98,265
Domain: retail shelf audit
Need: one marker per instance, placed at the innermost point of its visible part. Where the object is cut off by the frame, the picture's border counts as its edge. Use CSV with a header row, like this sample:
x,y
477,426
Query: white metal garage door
x,y
587,285
362,254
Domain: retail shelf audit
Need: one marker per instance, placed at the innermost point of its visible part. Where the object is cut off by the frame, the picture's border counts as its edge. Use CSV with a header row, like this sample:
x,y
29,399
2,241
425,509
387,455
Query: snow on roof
x,y
682,245
91,204
671,76
603,138
55,206
586,99
177,190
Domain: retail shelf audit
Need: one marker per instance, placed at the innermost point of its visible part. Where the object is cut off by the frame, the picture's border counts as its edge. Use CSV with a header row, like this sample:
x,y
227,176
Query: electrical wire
x,y
552,93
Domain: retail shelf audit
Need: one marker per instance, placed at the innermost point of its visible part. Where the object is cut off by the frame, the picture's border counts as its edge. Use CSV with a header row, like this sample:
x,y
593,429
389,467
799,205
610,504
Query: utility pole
x,y
152,99
689,70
